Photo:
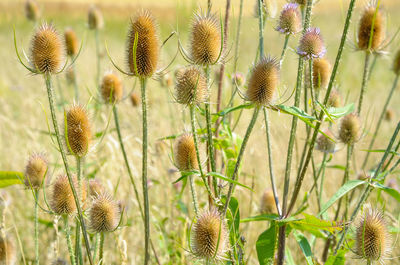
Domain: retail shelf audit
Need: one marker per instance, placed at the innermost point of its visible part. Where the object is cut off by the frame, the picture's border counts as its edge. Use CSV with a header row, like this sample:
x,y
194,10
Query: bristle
x,y
71,42
47,50
396,63
350,129
62,200
32,10
7,251
95,18
334,99
324,144
205,39
290,19
111,88
191,87
371,17
321,73
78,130
267,204
311,44
147,49
185,153
209,236
35,171
263,82
104,214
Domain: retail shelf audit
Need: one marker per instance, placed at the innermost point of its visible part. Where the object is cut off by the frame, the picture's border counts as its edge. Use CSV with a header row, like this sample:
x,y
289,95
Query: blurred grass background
x,y
23,121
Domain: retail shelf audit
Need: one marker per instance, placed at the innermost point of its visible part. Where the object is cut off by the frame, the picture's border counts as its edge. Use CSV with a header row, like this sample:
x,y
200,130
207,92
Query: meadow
x,y
329,217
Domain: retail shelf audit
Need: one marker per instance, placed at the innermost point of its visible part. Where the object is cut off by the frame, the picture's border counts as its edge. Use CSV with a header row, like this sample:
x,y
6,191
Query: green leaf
x,y
8,178
392,192
231,109
268,217
336,260
233,218
336,113
217,175
313,224
295,111
348,186
265,245
304,245
185,174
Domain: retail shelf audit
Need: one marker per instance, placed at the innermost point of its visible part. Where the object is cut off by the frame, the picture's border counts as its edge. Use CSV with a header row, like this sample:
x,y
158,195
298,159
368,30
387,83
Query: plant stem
x,y
310,76
50,94
96,246
322,169
96,36
364,81
350,148
285,44
101,251
69,242
194,196
260,28
381,117
36,213
78,244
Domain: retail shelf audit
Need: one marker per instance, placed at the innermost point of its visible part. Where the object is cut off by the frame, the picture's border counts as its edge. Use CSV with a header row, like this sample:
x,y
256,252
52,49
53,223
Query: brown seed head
x,y
396,63
32,10
147,49
267,204
205,39
35,171
290,19
104,214
372,237
371,18
95,18
321,73
59,261
71,42
311,44
185,153
335,99
7,251
350,129
135,99
111,88
209,236
324,144
263,81
62,200
47,50
96,188
78,130
191,87
389,115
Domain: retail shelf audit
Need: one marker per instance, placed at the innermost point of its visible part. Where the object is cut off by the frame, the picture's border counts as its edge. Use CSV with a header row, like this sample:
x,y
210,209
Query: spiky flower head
x,y
135,99
95,18
238,79
311,44
396,63
35,171
205,39
334,100
71,42
389,115
32,11
326,144
350,129
96,188
59,261
290,19
185,153
371,21
263,81
321,73
47,50
147,49
62,200
372,237
111,88
209,236
79,133
104,214
267,203
191,87
7,251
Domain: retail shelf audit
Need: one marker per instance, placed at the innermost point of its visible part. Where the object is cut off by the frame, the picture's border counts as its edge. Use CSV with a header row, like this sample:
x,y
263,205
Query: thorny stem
x,y
364,81
36,213
101,250
194,196
67,230
350,149
50,94
322,171
78,243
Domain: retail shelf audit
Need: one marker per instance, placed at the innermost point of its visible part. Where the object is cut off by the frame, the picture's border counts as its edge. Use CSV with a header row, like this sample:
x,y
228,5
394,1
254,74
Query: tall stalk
x,y
364,81
101,251
285,44
36,213
78,243
67,230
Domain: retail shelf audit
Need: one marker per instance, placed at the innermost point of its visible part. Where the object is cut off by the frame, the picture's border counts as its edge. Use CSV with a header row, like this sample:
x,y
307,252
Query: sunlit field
x,y
209,202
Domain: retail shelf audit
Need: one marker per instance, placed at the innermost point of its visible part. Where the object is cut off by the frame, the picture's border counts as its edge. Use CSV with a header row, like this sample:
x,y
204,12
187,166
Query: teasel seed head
x,y
311,44
111,88
191,87
238,79
334,100
371,18
267,204
372,236
290,19
185,153
321,73
389,115
59,261
205,39
263,81
104,214
47,50
8,254
209,236
396,63
71,42
147,49
324,144
35,171
78,130
135,99
350,129
32,11
96,188
95,18
62,199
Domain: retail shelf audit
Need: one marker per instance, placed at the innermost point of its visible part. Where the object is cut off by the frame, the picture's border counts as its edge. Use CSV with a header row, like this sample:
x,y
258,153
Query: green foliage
x,y
8,178
266,244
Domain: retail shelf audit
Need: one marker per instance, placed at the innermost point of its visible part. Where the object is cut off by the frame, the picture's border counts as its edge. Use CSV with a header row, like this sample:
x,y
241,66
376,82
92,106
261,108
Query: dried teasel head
x,y
267,203
389,115
62,199
79,133
47,50
321,73
147,48
104,214
350,129
191,86
32,11
185,153
96,188
71,42
396,63
205,43
95,18
35,171
111,88
334,100
263,81
325,144
372,236
135,99
311,44
290,19
8,254
371,21
209,236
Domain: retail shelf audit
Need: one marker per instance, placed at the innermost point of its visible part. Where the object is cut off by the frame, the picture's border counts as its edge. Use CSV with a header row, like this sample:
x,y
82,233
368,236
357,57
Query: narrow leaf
x,y
217,175
392,192
265,245
8,178
232,109
304,245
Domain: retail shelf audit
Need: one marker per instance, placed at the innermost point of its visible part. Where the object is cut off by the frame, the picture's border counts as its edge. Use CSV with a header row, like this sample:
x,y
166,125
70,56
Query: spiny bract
x,y
191,87
78,130
111,88
185,153
371,19
35,171
104,214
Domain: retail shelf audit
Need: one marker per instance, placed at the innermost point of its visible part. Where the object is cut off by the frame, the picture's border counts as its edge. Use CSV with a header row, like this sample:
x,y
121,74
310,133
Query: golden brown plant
x,y
95,18
71,42
350,129
35,171
59,261
267,203
61,199
289,20
185,153
135,99
335,99
104,214
321,73
324,144
96,188
32,11
191,87
111,88
389,115
371,19
79,133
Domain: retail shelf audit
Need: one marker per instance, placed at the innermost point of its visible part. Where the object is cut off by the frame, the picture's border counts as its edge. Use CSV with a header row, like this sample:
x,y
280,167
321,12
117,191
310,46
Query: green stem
x,y
350,149
381,117
96,246
36,213
78,243
322,171
285,44
101,251
69,242
194,196
310,76
364,81
260,28
50,94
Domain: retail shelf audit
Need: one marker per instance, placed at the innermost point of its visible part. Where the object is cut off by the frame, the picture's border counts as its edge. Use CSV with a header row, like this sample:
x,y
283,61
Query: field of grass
x,y
25,116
